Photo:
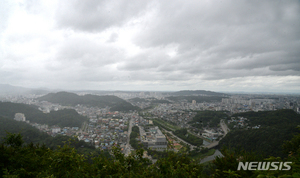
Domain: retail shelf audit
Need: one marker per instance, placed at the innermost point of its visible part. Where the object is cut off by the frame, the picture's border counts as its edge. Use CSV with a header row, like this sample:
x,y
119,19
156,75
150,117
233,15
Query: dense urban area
x,y
163,124
199,124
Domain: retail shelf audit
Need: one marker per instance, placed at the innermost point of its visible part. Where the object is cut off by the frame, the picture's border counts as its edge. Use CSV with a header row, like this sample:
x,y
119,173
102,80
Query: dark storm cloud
x,y
94,15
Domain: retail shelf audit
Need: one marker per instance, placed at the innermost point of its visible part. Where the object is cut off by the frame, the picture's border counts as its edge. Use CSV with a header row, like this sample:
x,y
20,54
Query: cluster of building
x,y
50,130
129,95
212,134
20,117
105,132
241,122
153,138
238,122
173,114
244,103
105,129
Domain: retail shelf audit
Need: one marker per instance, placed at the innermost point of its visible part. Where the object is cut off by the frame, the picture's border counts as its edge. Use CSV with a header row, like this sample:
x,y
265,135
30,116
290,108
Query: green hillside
x,y
30,134
62,118
28,160
276,127
71,99
33,135
208,118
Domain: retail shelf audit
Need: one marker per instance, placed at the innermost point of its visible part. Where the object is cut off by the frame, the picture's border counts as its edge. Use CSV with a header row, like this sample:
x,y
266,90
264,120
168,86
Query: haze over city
x,y
250,46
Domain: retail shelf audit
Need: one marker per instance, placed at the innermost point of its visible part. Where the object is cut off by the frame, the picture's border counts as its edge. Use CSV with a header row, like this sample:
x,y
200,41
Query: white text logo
x,y
272,166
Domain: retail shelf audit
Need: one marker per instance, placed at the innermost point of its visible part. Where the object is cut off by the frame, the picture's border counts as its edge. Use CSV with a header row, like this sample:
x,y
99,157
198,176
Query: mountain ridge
x,y
72,99
197,92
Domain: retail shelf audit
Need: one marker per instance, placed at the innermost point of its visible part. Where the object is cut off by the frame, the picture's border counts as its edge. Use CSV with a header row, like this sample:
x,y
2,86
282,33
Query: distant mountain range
x,y
72,99
196,92
6,89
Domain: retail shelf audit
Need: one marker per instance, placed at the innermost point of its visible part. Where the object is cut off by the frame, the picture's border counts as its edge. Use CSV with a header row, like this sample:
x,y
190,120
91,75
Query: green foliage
x,y
266,141
137,99
178,165
8,109
279,118
32,134
60,140
184,135
28,160
208,118
29,133
13,140
155,122
38,161
135,129
63,118
71,99
276,127
167,124
201,153
133,136
227,166
292,146
158,154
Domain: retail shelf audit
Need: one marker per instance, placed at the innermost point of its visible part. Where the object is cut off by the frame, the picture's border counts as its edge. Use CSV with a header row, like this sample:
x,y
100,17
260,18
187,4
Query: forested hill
x,y
62,118
71,99
276,127
208,118
198,95
32,134
278,118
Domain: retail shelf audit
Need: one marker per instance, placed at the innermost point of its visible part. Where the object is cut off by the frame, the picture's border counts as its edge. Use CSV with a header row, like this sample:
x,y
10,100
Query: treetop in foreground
x,y
28,160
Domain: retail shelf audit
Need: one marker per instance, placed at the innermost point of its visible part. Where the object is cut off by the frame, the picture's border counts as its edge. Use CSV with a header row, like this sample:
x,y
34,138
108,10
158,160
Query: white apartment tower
x,y
20,117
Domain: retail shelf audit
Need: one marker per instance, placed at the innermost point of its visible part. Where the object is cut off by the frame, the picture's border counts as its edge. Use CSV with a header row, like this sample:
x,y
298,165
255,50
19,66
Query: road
x,y
199,136
212,157
224,127
191,146
211,145
128,147
225,130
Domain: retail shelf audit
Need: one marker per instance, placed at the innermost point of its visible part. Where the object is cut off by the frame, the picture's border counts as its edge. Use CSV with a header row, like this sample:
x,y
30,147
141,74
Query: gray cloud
x,y
94,15
168,45
87,53
225,38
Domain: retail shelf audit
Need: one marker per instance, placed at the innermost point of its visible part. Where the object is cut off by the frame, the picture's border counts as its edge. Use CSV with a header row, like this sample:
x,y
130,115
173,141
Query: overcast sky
x,y
151,45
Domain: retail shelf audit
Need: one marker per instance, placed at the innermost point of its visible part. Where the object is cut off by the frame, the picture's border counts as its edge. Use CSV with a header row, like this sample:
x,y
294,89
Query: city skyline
x,y
151,45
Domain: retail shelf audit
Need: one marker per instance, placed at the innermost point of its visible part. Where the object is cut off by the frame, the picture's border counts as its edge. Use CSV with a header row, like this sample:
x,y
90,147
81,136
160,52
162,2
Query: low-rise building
x,y
153,139
20,117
